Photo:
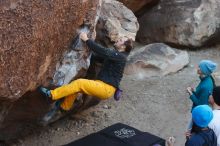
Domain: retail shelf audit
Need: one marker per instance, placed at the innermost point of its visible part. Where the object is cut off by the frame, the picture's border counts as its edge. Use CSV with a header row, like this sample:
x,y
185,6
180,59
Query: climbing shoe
x,y
54,113
45,91
118,94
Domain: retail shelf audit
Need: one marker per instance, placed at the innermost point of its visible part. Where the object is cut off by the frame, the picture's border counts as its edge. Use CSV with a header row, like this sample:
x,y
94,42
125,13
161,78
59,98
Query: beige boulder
x,y
155,60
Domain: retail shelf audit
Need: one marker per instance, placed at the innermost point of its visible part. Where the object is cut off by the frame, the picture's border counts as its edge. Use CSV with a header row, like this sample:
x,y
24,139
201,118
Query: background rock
x,y
216,76
155,60
115,21
187,23
136,5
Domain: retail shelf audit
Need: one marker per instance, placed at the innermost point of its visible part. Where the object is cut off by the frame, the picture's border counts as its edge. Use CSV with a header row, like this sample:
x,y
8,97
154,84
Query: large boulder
x,y
155,60
115,21
35,42
186,23
34,36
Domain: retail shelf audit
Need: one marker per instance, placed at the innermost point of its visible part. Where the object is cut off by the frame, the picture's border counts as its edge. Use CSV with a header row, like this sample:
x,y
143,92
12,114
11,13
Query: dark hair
x,y
195,128
128,45
216,95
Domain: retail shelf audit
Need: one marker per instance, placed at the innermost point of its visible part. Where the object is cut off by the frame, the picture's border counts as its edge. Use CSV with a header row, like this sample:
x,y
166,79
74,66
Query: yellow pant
x,y
95,88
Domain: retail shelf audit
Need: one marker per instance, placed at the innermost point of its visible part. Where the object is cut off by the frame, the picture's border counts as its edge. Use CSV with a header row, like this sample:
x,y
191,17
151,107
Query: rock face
x,y
116,21
75,62
216,76
34,36
188,23
136,5
155,60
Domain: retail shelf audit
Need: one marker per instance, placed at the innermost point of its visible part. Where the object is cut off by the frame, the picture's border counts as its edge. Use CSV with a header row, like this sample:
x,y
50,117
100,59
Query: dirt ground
x,y
159,105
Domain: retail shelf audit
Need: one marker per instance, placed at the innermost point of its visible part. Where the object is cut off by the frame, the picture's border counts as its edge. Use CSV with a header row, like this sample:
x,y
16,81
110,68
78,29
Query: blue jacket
x,y
202,92
202,138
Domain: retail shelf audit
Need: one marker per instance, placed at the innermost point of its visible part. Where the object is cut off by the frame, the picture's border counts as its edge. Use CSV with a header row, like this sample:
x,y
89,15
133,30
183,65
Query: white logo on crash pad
x,y
124,133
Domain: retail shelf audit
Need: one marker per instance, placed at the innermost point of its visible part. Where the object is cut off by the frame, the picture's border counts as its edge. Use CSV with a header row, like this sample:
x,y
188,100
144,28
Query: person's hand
x,y
189,90
188,134
83,36
170,141
192,89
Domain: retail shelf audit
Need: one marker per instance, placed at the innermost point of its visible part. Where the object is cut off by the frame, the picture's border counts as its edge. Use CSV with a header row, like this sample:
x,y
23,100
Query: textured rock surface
x,y
136,5
155,60
34,36
116,21
75,62
188,23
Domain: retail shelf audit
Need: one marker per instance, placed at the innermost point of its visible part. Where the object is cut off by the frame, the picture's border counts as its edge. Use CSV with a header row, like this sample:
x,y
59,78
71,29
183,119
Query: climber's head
x,y
124,44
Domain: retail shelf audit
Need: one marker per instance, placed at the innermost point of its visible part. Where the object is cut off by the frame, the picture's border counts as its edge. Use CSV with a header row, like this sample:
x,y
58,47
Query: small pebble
x,y
105,106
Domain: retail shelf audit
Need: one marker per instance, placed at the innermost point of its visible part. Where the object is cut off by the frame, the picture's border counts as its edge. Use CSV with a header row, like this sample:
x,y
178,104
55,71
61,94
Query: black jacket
x,y
113,65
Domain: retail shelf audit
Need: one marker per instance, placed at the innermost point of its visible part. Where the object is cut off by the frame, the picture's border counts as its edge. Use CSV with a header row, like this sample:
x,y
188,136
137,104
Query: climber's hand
x,y
83,36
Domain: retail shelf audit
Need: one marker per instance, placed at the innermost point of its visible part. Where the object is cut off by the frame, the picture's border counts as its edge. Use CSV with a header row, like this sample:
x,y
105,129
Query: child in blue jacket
x,y
200,96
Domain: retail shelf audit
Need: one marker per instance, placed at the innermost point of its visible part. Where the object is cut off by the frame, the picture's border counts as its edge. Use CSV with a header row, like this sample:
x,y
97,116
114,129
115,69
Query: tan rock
x,y
186,23
116,21
155,60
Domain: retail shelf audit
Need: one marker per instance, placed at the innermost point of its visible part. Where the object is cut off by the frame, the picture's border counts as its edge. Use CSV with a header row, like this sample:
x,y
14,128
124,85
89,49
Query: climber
x,y
107,83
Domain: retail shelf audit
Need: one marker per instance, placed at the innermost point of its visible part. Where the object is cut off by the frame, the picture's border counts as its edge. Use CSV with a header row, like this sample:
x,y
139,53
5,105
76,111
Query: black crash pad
x,y
119,135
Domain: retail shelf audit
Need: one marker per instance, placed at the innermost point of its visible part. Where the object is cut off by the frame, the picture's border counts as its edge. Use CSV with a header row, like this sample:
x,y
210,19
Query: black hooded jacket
x,y
113,66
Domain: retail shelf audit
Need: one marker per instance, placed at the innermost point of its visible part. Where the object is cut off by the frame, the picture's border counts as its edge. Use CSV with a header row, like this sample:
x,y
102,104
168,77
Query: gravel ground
x,y
159,105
